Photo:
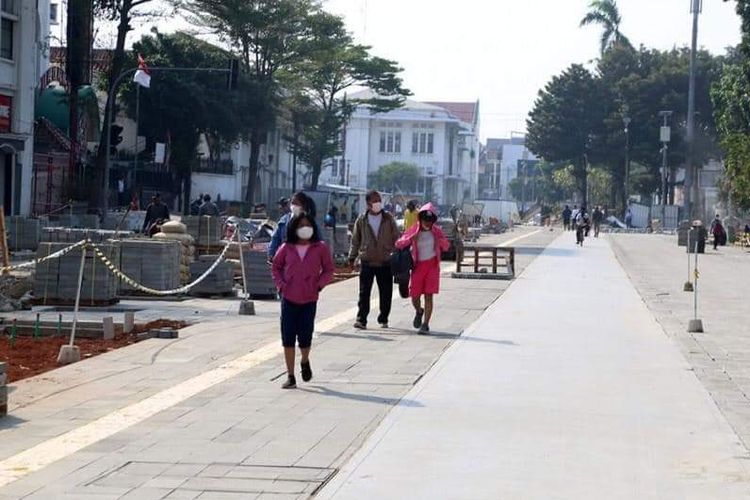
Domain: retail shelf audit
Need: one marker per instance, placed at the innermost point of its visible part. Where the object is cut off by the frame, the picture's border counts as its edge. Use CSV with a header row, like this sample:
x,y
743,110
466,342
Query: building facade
x,y
441,139
504,161
24,27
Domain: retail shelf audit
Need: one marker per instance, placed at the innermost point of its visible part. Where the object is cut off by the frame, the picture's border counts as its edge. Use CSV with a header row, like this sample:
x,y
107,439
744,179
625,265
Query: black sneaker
x,y
360,326
291,383
384,324
418,318
424,329
306,371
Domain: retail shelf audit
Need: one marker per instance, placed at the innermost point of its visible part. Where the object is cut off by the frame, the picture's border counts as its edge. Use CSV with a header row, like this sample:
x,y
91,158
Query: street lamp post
x,y
696,7
665,137
626,122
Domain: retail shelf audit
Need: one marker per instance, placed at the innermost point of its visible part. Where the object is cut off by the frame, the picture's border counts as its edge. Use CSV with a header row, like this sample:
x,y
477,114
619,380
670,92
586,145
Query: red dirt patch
x,y
30,357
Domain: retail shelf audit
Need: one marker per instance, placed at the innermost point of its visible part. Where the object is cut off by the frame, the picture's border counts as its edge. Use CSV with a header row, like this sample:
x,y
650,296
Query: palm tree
x,y
606,14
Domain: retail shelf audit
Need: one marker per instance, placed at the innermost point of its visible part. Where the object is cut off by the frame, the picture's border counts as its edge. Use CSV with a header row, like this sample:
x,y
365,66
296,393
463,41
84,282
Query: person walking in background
x,y
156,213
427,243
581,223
574,217
209,207
302,267
301,203
629,218
597,217
373,240
410,215
567,213
718,232
195,206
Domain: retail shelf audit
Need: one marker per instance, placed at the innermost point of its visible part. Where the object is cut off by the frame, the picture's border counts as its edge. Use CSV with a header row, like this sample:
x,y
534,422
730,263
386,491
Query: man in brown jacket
x,y
373,239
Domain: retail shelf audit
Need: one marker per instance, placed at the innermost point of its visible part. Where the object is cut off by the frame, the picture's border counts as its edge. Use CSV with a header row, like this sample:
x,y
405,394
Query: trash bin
x,y
700,234
682,233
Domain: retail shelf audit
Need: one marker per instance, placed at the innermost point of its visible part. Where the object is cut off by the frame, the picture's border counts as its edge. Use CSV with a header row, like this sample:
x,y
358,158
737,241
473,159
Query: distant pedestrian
x,y
629,218
283,205
302,267
574,217
427,243
156,214
567,213
581,224
209,207
373,240
718,232
597,218
410,215
195,206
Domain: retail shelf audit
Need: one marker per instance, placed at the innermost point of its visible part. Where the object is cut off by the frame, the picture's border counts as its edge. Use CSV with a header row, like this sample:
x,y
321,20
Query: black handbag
x,y
401,261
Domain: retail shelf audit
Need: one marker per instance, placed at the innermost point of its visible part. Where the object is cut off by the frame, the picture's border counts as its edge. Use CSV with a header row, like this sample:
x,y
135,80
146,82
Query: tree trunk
x,y
317,168
255,144
99,190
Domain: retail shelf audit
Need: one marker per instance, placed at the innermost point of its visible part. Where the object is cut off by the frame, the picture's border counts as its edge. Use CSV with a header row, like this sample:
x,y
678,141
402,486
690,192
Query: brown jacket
x,y
372,250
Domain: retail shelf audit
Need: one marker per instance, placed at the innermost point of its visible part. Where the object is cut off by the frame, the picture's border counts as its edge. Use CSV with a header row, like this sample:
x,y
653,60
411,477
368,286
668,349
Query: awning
x,y
11,144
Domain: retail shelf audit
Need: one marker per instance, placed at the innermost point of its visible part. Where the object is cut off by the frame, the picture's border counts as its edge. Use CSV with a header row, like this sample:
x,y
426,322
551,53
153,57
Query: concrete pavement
x,y
566,388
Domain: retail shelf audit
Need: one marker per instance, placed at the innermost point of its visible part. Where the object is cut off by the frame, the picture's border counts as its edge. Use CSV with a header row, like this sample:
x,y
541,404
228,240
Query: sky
x,y
501,52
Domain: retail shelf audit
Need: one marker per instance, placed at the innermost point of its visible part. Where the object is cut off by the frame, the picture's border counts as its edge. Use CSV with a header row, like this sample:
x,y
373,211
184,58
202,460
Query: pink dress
x,y
425,278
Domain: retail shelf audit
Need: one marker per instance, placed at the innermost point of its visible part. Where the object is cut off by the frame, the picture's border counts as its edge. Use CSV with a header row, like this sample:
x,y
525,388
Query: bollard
x,y
128,324
37,328
688,287
71,353
13,332
108,326
59,325
247,308
695,325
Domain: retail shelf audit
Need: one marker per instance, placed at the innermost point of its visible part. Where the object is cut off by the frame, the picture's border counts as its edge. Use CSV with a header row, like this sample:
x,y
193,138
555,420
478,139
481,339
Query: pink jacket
x,y
300,281
441,242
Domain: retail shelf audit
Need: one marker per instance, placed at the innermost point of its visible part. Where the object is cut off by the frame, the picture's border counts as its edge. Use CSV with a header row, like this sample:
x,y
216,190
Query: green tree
x,y
271,37
566,116
123,13
606,14
179,107
396,176
335,64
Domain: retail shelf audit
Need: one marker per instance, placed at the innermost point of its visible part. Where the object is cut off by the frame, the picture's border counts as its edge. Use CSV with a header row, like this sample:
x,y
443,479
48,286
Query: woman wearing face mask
x,y
300,203
301,269
427,242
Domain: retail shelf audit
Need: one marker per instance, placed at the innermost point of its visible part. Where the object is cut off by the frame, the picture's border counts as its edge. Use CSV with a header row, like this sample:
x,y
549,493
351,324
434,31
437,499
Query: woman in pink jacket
x,y
427,243
302,267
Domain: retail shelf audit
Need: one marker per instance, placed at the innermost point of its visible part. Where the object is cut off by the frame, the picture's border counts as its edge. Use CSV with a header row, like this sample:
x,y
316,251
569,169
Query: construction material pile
x,y
258,274
219,282
23,233
154,263
74,235
207,232
176,231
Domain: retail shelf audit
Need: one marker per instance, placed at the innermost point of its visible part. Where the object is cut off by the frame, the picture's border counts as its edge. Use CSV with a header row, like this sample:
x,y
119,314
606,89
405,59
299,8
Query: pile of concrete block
x,y
206,231
258,277
177,231
81,221
56,280
219,282
3,390
23,233
150,262
71,235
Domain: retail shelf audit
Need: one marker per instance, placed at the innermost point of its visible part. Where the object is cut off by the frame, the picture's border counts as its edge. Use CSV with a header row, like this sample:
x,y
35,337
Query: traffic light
x,y
234,74
115,137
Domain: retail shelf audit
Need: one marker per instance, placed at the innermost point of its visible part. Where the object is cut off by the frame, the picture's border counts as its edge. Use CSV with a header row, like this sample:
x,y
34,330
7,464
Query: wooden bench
x,y
478,261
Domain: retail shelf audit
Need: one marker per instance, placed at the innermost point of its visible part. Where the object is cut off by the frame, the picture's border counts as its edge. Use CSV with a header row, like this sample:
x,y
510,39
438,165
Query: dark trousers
x,y
367,275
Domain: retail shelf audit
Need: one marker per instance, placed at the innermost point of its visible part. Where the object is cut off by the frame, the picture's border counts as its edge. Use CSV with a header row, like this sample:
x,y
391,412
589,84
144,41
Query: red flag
x,y
142,76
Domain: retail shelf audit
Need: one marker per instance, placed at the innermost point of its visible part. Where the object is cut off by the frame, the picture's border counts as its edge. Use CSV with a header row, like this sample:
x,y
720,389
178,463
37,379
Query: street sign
x,y
160,153
666,134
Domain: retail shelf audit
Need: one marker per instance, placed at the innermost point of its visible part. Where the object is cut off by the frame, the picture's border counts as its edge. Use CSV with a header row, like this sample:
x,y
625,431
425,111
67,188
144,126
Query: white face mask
x,y
377,208
296,210
305,233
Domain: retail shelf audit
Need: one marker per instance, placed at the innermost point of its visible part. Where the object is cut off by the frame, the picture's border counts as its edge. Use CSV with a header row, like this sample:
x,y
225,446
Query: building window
x,y
9,7
6,39
335,168
423,142
54,13
390,141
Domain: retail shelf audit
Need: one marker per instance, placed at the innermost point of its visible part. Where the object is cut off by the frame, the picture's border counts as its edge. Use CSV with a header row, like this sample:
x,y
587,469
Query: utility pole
x,y
626,121
665,136
696,7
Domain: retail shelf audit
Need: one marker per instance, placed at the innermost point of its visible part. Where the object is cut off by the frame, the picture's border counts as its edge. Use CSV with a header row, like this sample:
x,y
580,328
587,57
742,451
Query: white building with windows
x,y
442,139
24,28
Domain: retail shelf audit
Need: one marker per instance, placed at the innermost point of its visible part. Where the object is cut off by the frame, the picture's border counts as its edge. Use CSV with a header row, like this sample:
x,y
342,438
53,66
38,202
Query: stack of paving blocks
x,y
85,221
177,231
70,235
56,280
258,274
219,282
153,263
206,231
3,390
23,233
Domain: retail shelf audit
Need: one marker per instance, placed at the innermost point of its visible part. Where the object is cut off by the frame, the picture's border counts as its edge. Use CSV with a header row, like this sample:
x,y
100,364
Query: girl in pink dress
x,y
427,243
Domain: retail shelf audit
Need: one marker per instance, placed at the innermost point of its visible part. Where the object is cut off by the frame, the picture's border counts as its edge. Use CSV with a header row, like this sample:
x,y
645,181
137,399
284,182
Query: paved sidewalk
x,y
204,416
566,389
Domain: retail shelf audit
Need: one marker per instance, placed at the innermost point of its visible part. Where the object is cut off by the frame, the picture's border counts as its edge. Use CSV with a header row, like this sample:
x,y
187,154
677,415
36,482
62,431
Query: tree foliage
x,y
565,118
396,176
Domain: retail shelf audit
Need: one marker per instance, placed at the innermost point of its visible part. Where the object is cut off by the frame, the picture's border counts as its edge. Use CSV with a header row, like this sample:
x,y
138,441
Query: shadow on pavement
x,y
376,338
555,252
325,391
458,336
9,421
